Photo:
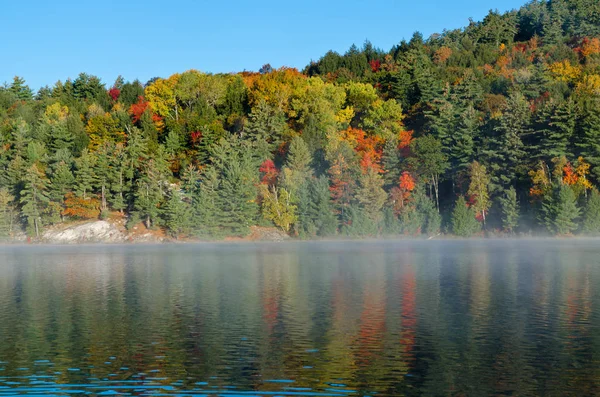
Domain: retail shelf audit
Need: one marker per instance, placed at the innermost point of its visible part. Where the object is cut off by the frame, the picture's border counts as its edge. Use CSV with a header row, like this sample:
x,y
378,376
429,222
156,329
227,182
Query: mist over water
x,y
333,319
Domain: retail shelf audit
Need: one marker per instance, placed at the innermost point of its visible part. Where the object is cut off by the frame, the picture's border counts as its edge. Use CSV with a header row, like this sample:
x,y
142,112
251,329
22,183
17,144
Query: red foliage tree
x,y
269,173
137,109
114,93
375,65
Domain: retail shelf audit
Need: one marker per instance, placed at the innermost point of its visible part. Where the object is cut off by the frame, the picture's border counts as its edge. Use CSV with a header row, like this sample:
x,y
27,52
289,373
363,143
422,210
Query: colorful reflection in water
x,y
302,319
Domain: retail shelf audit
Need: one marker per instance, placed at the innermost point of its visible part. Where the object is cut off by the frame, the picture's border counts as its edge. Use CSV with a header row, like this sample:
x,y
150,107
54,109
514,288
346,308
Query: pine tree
x,y
315,209
557,125
85,177
266,125
60,136
370,194
21,90
588,140
237,170
510,210
464,223
34,199
566,211
62,181
559,210
176,214
7,215
391,163
297,169
150,188
510,150
591,216
206,204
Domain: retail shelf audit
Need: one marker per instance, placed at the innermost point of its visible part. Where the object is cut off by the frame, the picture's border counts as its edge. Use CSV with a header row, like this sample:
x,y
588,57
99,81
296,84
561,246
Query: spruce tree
x,y
266,125
34,199
206,204
510,210
464,223
370,194
6,212
297,169
85,177
559,210
150,188
237,169
566,211
591,216
62,181
391,160
588,140
176,214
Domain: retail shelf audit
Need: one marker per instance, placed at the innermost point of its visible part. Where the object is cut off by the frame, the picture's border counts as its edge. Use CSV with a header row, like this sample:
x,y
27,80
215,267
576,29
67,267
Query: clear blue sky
x,y
44,41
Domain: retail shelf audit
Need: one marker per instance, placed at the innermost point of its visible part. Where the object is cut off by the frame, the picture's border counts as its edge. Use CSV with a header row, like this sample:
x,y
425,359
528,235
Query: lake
x,y
465,318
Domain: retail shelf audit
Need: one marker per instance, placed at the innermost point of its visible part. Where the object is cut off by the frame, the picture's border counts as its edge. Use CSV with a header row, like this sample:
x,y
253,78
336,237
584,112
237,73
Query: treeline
x,y
494,128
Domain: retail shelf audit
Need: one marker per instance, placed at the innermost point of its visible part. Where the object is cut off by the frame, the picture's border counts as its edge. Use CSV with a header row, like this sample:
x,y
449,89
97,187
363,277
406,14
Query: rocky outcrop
x,y
91,232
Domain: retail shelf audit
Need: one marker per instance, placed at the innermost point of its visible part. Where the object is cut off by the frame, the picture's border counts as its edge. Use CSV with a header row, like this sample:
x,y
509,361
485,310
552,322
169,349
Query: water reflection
x,y
331,319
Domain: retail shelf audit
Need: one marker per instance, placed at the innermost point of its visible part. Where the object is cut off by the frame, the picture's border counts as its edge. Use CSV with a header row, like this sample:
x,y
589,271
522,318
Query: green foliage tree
x,y
464,223
591,215
34,199
430,162
559,210
510,210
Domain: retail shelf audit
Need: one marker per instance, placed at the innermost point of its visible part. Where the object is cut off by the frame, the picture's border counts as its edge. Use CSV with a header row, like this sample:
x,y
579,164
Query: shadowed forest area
x,y
487,130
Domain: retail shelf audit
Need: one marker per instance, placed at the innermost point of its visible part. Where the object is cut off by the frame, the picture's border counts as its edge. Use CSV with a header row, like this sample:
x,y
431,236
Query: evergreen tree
x,y
21,90
7,211
62,181
85,177
510,210
391,163
237,170
206,204
510,151
591,216
464,223
315,209
559,210
588,141
34,199
297,169
557,126
566,211
150,188
176,214
370,194
266,128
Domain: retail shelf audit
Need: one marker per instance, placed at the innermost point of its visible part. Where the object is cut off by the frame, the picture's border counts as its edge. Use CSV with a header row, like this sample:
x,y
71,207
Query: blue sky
x,y
44,41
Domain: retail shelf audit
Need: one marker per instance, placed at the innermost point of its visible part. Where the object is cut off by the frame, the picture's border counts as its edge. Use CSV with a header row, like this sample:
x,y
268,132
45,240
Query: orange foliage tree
x,y
77,207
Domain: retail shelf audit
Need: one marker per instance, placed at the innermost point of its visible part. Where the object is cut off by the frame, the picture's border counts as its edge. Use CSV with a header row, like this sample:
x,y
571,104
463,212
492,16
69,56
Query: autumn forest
x,y
492,129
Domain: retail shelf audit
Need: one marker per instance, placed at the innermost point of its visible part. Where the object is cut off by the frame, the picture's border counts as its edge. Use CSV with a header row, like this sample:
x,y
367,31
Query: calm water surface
x,y
433,318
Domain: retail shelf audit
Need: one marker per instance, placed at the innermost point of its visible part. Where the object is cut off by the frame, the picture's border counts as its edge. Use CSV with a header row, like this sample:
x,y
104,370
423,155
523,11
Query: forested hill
x,y
487,129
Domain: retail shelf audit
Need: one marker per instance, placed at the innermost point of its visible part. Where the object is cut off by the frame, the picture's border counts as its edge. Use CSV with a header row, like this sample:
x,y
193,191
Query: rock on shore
x,y
91,232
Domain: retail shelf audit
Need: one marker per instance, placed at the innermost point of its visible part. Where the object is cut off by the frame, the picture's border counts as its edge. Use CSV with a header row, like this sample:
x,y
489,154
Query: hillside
x,y
493,128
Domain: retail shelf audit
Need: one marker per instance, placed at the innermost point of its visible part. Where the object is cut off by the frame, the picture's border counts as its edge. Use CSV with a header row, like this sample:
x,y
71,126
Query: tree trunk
x,y
103,198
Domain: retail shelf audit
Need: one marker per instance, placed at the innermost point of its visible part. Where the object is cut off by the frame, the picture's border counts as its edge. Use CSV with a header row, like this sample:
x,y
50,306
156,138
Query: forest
x,y
492,129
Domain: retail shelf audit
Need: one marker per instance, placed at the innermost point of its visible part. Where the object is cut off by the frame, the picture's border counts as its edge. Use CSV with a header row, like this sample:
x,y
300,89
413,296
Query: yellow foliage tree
x,y
564,71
